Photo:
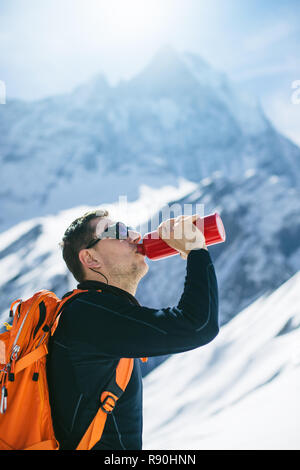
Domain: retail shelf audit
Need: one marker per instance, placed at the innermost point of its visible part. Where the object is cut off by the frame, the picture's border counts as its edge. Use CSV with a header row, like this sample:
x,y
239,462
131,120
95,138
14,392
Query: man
x,y
97,329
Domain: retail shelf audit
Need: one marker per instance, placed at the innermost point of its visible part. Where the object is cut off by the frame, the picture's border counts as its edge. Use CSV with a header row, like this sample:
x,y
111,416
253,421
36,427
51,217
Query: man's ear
x,y
88,259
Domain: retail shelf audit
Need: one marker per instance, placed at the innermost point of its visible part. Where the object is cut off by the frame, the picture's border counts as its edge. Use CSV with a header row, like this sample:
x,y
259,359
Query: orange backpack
x,y
25,413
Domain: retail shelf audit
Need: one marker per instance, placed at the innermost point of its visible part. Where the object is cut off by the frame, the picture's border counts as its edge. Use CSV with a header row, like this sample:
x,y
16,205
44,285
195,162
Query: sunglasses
x,y
119,231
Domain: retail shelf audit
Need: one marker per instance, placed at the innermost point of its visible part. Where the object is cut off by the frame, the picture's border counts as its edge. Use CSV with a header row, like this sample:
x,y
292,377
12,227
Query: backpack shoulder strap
x,y
109,398
67,298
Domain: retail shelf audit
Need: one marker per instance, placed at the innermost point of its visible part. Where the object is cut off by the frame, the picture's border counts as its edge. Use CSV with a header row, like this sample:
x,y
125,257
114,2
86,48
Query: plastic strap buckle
x,y
107,404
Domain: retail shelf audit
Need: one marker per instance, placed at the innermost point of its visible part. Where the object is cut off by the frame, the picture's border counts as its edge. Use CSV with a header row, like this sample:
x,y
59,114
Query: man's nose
x,y
134,236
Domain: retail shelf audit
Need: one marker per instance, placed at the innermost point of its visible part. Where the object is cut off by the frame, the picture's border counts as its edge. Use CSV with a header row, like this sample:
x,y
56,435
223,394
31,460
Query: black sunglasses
x,y
119,230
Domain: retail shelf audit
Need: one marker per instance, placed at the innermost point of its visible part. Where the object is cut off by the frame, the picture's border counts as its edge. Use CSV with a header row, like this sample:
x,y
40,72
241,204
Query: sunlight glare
x,y
127,19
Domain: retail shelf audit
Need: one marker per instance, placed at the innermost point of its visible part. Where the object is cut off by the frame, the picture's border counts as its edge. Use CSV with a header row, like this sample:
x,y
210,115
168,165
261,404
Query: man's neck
x,y
128,286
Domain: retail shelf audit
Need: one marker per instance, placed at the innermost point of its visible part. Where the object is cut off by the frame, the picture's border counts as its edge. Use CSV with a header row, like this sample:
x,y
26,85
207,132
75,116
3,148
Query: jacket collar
x,y
107,288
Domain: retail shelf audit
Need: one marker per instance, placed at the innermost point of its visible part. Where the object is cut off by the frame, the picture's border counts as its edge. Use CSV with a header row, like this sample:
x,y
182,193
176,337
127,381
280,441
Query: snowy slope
x,y
241,391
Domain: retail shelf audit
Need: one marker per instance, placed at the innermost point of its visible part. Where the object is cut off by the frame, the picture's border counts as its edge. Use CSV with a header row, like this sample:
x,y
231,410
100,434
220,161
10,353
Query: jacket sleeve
x,y
110,326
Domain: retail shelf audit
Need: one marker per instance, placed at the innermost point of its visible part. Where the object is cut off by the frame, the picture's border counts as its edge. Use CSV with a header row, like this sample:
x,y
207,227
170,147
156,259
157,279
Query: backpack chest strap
x,y
31,357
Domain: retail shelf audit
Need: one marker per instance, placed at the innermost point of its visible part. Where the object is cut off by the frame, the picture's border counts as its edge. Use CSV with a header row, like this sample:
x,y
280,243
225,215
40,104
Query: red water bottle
x,y
155,248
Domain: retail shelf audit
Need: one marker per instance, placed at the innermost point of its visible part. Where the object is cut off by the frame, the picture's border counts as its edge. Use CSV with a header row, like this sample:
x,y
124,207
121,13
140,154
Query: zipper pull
x,y
15,352
13,358
11,311
3,403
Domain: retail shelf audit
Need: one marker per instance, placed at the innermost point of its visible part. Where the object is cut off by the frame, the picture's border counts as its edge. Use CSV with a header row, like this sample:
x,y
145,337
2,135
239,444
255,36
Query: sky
x,y
49,47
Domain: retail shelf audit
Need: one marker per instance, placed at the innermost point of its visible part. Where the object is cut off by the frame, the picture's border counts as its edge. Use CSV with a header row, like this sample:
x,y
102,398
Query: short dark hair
x,y
76,237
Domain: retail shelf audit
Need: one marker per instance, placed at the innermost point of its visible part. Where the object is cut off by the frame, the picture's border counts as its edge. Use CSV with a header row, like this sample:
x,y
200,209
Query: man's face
x,y
119,257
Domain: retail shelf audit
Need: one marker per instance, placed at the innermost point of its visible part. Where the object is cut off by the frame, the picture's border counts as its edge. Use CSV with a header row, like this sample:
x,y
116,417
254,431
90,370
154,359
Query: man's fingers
x,y
186,218
183,225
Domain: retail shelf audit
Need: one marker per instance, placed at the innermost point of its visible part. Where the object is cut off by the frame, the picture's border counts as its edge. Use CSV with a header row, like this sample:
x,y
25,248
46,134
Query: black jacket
x,y
97,329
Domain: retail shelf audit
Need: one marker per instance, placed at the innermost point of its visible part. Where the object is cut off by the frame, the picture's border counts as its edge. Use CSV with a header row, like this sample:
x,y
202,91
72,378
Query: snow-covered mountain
x,y
241,391
178,132
178,118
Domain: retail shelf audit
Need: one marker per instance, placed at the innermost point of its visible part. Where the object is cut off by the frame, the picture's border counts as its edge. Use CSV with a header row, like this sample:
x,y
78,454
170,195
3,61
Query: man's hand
x,y
182,235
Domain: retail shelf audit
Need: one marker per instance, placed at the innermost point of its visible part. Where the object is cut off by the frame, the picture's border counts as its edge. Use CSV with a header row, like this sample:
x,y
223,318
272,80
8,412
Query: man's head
x,y
117,260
